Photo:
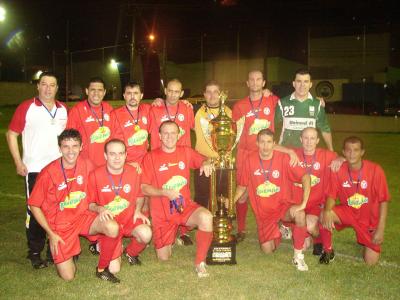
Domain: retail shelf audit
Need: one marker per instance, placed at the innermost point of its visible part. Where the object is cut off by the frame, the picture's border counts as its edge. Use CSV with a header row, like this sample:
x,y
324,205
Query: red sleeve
x,y
154,137
274,99
73,119
296,173
380,187
116,131
236,112
191,117
196,159
332,189
245,172
147,167
92,189
39,193
18,120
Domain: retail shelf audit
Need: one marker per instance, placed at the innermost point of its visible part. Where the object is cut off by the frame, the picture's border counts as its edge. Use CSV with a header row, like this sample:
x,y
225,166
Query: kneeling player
x,y
59,203
362,190
166,177
114,191
268,181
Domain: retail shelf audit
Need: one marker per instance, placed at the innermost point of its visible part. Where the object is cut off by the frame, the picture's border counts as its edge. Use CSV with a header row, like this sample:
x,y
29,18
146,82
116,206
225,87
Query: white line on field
x,y
382,263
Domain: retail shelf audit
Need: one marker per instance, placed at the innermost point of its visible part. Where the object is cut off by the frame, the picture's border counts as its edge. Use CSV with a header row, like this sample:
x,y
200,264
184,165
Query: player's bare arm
x,y
54,238
337,163
240,190
294,159
328,216
306,183
138,212
104,214
378,234
12,140
327,136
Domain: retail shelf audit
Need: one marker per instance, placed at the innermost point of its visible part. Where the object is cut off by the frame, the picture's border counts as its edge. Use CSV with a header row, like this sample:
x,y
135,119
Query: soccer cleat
x,y
201,270
106,275
240,236
286,232
317,249
36,261
133,260
298,261
184,240
327,257
93,249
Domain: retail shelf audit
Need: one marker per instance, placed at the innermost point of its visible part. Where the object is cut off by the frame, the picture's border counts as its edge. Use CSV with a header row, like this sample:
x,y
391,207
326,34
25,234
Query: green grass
x,y
256,276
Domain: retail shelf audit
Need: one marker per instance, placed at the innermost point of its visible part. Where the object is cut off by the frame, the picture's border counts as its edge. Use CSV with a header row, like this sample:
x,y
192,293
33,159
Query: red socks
x,y
326,237
107,247
299,236
135,248
183,230
241,214
203,241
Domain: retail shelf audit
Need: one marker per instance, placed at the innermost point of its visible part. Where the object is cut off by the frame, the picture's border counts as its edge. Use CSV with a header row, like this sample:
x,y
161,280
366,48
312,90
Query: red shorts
x,y
314,210
240,159
364,234
70,237
268,227
164,231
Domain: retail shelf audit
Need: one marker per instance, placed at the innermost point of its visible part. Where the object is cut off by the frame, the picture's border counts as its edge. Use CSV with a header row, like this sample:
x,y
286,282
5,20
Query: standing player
x,y
205,114
130,123
92,118
59,203
362,190
301,110
40,120
316,161
166,180
268,182
114,191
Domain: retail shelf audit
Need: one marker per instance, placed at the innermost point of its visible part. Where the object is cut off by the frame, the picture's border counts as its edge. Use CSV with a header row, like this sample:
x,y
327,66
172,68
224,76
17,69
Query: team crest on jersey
x,y
346,184
126,188
163,167
181,117
128,123
181,165
89,119
106,117
144,120
106,188
317,166
312,111
79,179
364,184
275,174
267,111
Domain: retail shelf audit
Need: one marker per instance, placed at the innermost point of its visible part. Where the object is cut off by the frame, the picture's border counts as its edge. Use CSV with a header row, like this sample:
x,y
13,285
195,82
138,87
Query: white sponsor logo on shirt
x,y
62,186
163,167
89,119
164,118
346,184
257,172
128,123
106,188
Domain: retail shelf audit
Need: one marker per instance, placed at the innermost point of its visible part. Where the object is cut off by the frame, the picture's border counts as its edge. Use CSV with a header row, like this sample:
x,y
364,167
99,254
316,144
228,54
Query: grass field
x,y
256,276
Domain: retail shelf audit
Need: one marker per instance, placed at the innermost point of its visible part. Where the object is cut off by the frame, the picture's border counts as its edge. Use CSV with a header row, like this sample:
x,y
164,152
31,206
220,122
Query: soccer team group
x,y
89,172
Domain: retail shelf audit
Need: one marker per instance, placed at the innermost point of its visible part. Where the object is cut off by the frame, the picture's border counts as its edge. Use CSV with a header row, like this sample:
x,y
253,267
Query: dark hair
x,y
301,71
353,140
69,134
210,83
47,74
264,132
132,84
97,80
114,141
167,123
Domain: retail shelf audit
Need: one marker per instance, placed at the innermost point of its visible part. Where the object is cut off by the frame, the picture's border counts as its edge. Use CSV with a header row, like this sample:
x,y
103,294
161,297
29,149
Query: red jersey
x,y
94,125
181,114
132,127
117,193
63,200
268,182
259,115
361,190
317,166
169,171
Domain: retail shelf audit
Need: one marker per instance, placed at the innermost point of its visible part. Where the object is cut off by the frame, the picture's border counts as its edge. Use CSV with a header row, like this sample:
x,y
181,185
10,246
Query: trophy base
x,y
222,253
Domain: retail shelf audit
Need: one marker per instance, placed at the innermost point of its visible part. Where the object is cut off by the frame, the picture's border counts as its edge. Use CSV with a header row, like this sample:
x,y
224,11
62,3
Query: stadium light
x,y
114,64
151,37
3,13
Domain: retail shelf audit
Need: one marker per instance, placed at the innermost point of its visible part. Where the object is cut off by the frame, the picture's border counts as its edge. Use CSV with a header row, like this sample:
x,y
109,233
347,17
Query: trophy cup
x,y
222,135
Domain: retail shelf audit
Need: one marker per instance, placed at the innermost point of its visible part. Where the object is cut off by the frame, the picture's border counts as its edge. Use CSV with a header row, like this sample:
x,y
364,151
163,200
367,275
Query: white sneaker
x,y
298,261
201,270
286,232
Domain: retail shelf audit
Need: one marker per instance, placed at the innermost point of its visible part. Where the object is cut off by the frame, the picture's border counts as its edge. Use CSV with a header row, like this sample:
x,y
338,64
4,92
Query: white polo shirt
x,y
39,132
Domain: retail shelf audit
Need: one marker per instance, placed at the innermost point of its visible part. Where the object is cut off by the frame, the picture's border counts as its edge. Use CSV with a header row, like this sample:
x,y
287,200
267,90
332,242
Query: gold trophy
x,y
222,134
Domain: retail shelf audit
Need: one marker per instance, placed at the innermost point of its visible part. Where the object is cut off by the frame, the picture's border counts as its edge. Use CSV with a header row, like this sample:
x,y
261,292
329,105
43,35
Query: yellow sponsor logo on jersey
x,y
138,138
72,200
258,125
100,135
117,206
357,200
267,189
176,183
